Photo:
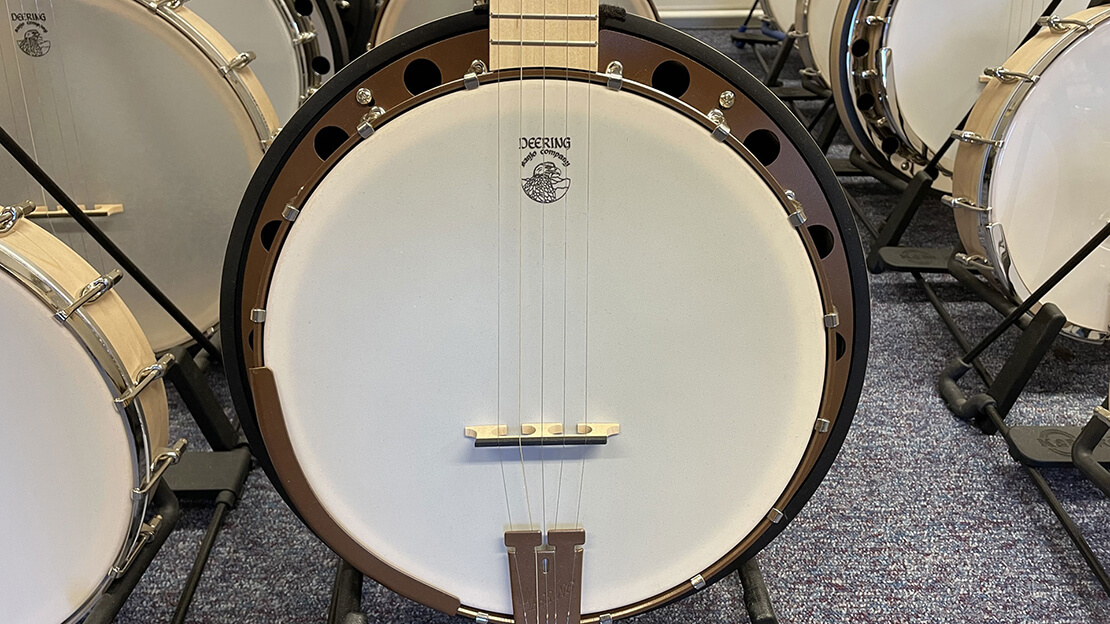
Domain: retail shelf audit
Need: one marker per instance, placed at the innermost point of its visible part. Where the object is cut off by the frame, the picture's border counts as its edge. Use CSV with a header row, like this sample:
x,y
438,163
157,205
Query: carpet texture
x,y
921,519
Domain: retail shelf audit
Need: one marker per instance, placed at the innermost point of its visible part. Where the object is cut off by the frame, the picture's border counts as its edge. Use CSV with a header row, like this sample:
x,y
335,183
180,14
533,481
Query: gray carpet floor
x,y
922,518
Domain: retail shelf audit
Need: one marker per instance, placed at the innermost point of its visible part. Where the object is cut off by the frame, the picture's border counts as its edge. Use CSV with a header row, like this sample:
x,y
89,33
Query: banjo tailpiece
x,y
547,586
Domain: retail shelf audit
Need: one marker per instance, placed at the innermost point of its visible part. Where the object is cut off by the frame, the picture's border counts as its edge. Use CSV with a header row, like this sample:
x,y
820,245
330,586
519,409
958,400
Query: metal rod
x,y
203,555
51,187
957,333
1038,294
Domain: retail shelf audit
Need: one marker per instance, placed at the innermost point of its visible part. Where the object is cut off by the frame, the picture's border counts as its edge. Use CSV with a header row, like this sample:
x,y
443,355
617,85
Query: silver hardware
x,y
698,582
342,5
1059,24
304,38
470,79
605,618
146,532
798,217
1008,76
482,618
809,72
10,214
364,96
867,74
146,376
240,61
962,202
366,127
971,137
872,20
90,293
166,457
822,425
832,319
290,213
775,516
975,261
727,99
615,72
258,315
798,35
169,4
721,130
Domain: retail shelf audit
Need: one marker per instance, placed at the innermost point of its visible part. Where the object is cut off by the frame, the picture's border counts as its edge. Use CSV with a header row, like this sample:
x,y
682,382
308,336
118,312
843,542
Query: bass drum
x,y
782,12
77,454
1027,203
900,94
156,139
292,57
517,253
397,16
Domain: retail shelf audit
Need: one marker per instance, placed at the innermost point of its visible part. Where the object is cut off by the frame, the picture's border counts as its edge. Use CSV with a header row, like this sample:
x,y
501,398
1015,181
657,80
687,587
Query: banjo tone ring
x,y
991,120
297,164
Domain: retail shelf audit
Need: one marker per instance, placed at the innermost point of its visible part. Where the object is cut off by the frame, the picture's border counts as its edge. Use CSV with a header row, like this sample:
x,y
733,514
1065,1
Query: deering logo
x,y
547,182
29,29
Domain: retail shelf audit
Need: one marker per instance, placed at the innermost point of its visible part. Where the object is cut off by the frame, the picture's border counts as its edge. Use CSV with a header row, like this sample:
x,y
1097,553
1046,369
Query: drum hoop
x,y
633,28
98,346
304,39
1001,122
254,100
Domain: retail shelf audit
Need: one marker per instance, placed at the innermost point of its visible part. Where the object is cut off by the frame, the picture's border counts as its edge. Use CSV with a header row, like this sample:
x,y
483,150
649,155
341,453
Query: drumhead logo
x,y
547,180
29,31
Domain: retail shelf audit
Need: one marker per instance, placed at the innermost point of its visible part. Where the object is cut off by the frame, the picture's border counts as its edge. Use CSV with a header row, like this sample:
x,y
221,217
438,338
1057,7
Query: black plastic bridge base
x,y
1051,447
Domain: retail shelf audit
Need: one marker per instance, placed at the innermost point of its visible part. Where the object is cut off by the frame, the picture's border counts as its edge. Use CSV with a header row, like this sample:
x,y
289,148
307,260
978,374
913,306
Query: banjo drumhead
x,y
398,16
151,126
782,11
69,459
817,46
429,283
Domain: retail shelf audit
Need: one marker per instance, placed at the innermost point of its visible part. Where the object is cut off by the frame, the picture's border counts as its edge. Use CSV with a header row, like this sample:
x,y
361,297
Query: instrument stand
x,y
345,606
217,476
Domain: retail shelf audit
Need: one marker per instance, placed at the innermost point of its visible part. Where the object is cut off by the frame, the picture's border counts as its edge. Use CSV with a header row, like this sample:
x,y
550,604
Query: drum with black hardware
x,y
84,434
1030,187
155,139
545,292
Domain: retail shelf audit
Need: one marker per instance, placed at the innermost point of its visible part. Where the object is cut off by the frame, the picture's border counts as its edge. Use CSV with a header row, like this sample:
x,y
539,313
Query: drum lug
x,y
832,319
90,293
1007,76
146,532
470,79
721,130
240,61
166,457
615,74
967,136
1058,24
366,126
146,376
10,214
698,581
798,216
304,38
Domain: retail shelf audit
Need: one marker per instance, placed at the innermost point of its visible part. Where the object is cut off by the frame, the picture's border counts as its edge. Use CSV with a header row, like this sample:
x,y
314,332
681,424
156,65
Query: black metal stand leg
x,y
191,384
757,600
1082,451
346,596
165,505
780,61
899,220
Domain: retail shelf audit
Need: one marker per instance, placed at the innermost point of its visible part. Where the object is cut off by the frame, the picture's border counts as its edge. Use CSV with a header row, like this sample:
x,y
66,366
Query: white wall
x,y
704,13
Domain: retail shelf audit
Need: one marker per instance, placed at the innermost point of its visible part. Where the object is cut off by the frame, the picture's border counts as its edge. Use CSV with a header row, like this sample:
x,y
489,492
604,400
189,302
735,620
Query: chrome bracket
x,y
798,35
290,213
165,458
775,516
1059,24
240,61
832,319
90,293
146,533
720,126
558,598
470,79
1007,76
963,203
157,5
975,261
698,581
304,38
873,20
614,74
146,376
867,74
366,124
966,136
258,315
10,214
822,425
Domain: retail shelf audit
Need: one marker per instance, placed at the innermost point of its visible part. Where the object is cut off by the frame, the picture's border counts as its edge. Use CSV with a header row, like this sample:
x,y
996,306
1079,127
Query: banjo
x,y
1028,186
900,94
292,57
155,139
397,16
522,295
781,11
80,464
813,23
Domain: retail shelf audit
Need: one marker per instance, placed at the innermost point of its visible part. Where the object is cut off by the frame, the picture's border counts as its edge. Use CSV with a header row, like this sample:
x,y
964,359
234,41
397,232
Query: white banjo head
x,y
1045,186
782,11
290,61
70,456
151,128
816,19
398,16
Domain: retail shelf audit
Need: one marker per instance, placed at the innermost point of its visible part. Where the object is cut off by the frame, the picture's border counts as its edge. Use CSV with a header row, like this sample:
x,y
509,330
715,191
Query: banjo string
x,y
586,309
500,215
566,272
520,280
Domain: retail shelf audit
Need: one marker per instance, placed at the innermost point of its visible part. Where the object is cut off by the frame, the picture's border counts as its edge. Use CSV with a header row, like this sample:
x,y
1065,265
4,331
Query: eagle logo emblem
x,y
33,44
547,184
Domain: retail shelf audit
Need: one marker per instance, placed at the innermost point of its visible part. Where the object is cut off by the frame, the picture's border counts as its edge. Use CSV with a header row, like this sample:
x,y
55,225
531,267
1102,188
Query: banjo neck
x,y
559,34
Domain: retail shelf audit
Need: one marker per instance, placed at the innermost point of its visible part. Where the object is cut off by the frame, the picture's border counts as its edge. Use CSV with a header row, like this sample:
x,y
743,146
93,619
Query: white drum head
x,y
68,465
150,125
940,48
1049,185
262,27
397,307
398,16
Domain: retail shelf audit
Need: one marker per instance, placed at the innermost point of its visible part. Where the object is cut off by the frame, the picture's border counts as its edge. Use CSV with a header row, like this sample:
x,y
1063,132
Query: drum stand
x,y
345,606
217,476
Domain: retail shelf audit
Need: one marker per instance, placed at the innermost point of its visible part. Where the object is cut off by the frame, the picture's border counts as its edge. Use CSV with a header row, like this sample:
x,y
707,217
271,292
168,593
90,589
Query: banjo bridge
x,y
546,578
542,434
